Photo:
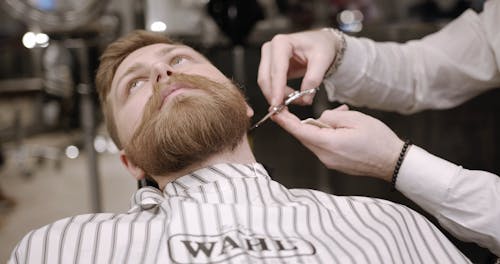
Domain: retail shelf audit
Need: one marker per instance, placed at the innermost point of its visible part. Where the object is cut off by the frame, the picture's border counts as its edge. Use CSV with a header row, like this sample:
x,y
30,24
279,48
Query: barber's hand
x,y
355,143
308,54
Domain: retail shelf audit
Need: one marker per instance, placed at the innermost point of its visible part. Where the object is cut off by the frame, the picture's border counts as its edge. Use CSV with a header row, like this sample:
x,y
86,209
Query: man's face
x,y
135,77
173,109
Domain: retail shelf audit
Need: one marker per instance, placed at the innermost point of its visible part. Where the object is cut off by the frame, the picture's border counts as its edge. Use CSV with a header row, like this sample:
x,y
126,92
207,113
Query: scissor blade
x,y
290,98
263,119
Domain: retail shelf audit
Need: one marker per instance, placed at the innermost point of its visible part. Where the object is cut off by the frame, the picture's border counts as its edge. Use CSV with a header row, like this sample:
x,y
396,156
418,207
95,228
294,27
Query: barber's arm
x,y
465,202
439,71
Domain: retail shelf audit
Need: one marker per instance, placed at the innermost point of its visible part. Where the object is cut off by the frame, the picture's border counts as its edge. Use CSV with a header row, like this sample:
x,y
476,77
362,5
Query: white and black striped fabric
x,y
235,213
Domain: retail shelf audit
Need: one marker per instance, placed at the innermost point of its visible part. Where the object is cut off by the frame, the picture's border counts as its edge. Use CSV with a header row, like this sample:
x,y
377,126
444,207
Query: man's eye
x,y
178,60
135,85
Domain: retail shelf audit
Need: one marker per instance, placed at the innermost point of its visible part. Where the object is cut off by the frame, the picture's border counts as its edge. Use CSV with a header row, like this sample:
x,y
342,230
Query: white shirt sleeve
x,y
465,202
439,71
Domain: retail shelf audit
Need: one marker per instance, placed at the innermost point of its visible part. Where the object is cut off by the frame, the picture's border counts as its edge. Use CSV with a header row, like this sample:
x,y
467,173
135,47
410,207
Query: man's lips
x,y
172,90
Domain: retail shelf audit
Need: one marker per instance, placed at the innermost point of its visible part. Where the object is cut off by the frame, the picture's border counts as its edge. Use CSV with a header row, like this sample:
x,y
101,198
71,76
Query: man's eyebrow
x,y
118,93
166,50
135,67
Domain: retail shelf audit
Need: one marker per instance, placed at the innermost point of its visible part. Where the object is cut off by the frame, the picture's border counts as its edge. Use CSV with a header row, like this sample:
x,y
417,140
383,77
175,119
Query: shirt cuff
x,y
425,178
351,68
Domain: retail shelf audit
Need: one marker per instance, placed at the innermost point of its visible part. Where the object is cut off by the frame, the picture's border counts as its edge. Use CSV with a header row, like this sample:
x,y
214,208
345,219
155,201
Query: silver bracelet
x,y
339,53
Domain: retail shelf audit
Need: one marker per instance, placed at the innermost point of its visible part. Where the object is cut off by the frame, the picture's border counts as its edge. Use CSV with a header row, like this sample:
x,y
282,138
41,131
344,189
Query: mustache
x,y
179,79
155,102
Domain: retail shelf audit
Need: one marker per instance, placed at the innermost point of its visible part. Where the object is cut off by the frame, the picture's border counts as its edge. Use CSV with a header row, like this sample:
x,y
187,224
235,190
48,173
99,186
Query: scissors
x,y
289,99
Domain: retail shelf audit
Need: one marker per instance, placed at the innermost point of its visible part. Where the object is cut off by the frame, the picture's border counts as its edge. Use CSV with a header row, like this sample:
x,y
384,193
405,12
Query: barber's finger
x,y
297,68
305,133
288,90
340,118
264,71
316,68
316,122
281,52
301,101
342,107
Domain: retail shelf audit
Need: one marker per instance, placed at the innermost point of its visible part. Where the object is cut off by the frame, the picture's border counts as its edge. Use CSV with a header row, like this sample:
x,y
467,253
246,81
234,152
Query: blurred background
x,y
56,159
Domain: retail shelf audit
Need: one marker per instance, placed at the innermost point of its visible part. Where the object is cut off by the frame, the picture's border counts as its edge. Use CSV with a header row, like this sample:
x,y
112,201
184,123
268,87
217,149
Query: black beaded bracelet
x,y
402,155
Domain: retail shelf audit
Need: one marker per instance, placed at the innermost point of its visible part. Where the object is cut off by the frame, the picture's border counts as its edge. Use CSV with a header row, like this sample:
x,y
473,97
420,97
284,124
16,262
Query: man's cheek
x,y
127,129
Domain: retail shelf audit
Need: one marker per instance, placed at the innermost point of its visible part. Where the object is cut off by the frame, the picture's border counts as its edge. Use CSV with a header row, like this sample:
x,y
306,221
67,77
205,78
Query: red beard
x,y
189,128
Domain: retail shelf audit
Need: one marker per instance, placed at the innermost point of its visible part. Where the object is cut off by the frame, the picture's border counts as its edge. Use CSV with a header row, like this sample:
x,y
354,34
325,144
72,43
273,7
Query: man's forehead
x,y
146,53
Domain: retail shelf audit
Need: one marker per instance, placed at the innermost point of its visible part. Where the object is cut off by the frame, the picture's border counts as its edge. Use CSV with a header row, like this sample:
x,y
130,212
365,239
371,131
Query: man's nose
x,y
160,72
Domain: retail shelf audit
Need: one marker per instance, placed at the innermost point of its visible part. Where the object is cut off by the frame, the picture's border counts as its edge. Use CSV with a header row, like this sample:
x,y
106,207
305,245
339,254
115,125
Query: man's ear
x,y
249,110
137,172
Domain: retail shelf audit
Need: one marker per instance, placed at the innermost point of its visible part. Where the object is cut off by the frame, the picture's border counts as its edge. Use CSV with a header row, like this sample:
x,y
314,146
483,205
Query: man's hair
x,y
113,55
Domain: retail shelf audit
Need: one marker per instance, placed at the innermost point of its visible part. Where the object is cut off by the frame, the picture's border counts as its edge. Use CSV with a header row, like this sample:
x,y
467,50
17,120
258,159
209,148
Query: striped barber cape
x,y
235,213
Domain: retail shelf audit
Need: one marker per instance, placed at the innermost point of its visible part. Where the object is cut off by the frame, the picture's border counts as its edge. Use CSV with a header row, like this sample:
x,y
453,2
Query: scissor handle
x,y
292,97
297,94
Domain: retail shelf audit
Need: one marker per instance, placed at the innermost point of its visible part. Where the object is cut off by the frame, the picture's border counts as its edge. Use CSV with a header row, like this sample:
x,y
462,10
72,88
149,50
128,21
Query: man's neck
x,y
241,154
